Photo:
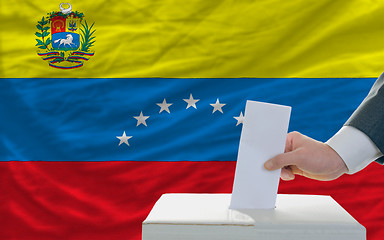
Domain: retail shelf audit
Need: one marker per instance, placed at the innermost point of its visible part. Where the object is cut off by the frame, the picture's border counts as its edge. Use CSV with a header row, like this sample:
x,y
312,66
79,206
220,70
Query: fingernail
x,y
285,176
268,165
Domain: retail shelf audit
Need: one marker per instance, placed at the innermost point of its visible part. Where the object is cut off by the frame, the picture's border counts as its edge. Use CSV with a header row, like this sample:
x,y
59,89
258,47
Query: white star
x,y
141,119
217,106
124,139
164,106
191,102
240,119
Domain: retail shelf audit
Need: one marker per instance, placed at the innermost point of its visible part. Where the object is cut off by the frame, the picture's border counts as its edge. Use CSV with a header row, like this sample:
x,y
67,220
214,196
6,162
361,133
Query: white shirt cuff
x,y
355,148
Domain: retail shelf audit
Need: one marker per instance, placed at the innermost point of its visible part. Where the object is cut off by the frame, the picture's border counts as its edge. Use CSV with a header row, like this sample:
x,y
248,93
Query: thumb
x,y
282,160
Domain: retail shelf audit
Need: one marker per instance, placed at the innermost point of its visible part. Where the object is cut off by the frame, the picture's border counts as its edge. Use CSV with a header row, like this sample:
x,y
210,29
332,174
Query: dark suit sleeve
x,y
369,116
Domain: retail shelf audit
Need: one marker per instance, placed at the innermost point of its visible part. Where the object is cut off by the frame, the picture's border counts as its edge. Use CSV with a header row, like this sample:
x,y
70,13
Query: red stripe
x,y
109,200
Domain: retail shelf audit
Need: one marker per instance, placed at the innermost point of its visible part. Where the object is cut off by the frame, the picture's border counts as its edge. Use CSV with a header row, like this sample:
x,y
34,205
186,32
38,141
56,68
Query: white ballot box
x,y
208,217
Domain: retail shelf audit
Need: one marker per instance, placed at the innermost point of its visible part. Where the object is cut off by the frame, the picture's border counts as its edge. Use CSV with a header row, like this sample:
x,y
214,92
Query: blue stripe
x,y
79,119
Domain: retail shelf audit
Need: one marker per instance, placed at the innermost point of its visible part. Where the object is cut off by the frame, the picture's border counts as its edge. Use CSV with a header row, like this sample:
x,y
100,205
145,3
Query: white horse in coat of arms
x,y
66,41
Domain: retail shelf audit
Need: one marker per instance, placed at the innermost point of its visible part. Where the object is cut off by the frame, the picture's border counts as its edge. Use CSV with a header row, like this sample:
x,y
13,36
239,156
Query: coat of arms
x,y
65,38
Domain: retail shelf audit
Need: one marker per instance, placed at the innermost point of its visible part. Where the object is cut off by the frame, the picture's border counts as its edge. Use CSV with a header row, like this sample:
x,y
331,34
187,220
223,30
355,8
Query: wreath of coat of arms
x,y
64,38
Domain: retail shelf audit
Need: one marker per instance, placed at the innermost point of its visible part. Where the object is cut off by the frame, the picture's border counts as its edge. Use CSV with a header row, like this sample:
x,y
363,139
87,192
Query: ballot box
x,y
208,217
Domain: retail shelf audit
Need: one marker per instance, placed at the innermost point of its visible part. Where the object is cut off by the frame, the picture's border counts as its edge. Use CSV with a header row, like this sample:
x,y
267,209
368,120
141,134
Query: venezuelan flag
x,y
106,105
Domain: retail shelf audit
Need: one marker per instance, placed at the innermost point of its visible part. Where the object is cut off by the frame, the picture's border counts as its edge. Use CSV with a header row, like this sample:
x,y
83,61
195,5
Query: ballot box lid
x,y
213,209
208,217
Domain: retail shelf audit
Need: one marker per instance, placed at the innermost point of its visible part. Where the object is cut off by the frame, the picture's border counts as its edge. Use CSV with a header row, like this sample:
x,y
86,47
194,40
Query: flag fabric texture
x,y
106,105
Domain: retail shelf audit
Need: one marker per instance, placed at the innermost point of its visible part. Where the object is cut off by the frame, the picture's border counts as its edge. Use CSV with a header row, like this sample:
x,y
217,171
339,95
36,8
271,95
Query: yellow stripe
x,y
203,38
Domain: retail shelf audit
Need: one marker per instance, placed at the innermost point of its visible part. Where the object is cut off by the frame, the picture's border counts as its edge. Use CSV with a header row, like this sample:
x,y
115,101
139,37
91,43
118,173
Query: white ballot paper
x,y
263,136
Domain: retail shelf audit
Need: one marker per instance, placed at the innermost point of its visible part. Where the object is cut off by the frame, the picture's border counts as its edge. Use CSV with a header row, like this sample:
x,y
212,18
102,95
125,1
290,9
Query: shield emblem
x,y
65,34
58,38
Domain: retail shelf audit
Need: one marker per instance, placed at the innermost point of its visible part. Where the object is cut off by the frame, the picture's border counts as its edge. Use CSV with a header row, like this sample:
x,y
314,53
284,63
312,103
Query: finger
x,y
289,142
291,138
287,174
296,170
282,160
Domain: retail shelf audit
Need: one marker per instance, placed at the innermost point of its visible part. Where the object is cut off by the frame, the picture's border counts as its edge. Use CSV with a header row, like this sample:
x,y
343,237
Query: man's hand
x,y
307,157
